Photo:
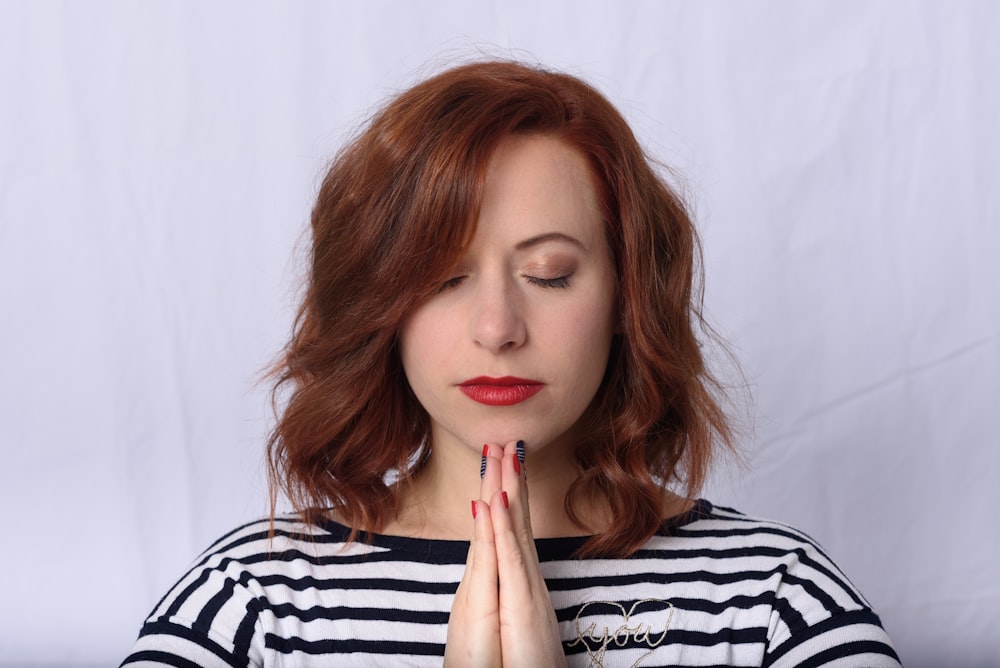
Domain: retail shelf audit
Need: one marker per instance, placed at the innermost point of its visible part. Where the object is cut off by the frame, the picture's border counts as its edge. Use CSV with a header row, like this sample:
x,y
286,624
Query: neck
x,y
435,501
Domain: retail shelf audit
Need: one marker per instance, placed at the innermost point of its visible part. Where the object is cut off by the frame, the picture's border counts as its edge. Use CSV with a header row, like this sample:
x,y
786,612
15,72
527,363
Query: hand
x,y
502,614
474,623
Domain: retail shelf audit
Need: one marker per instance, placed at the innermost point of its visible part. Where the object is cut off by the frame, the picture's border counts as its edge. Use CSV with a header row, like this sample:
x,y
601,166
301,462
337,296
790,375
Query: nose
x,y
498,322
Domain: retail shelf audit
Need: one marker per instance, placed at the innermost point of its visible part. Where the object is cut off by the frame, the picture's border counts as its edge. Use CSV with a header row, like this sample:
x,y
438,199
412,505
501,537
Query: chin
x,y
534,439
505,437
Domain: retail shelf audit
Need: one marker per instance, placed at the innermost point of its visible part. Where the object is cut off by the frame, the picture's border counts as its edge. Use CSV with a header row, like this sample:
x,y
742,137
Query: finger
x,y
490,471
518,568
529,630
528,627
473,627
481,568
517,558
515,484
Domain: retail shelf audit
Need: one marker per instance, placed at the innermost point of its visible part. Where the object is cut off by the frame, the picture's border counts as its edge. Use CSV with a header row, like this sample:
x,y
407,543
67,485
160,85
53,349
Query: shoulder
x,y
219,611
754,554
814,607
728,533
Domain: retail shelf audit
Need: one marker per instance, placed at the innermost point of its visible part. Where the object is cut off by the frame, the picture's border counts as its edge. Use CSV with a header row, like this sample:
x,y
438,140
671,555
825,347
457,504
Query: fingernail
x,y
482,466
520,451
475,511
503,497
517,466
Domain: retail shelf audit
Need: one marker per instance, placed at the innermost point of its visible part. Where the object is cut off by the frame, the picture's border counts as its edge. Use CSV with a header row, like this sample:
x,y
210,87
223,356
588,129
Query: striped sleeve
x,y
306,598
177,643
844,640
209,618
818,617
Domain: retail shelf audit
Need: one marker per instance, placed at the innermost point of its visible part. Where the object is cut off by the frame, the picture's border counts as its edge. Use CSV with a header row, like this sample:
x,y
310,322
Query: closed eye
x,y
558,282
451,283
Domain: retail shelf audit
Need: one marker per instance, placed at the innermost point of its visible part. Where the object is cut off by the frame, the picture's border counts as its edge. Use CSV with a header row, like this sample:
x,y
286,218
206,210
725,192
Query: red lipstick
x,y
505,391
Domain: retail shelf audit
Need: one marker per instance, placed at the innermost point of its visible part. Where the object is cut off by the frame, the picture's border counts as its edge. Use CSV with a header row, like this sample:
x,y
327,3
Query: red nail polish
x,y
474,510
486,450
503,497
517,465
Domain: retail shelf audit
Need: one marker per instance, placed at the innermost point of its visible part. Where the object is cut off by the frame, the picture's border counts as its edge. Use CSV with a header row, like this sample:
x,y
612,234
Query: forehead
x,y
539,183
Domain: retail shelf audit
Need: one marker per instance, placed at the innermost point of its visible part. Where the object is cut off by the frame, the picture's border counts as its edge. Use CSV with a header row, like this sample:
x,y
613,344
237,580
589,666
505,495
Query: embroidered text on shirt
x,y
635,626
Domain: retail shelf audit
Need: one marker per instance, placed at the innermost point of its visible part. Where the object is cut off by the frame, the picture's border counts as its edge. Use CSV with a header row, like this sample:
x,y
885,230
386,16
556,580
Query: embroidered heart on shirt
x,y
601,624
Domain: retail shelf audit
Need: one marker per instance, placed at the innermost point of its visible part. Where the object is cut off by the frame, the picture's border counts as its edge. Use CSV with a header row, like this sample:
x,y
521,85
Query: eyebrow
x,y
549,236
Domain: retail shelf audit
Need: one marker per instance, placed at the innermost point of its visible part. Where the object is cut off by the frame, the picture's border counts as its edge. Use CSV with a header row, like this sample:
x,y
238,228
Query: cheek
x,y
409,348
603,319
422,344
581,338
593,322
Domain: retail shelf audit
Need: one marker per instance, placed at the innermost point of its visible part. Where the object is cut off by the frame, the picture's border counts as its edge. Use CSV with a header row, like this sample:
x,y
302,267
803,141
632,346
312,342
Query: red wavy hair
x,y
394,215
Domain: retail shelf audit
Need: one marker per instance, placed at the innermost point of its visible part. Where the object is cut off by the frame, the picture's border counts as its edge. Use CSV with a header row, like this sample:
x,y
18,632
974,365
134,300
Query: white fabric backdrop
x,y
157,164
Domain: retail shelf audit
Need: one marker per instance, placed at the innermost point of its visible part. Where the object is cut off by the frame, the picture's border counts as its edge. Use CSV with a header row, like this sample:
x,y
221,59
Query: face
x,y
515,344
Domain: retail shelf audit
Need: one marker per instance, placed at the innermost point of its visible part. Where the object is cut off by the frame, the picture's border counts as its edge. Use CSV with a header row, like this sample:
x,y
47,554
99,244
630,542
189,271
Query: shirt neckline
x,y
454,551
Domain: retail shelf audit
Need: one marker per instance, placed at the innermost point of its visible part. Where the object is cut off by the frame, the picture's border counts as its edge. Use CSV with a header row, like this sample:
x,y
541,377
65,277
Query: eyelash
x,y
451,283
558,282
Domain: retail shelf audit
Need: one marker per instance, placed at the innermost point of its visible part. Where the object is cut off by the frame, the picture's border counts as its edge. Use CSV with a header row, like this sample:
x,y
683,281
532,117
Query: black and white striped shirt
x,y
712,588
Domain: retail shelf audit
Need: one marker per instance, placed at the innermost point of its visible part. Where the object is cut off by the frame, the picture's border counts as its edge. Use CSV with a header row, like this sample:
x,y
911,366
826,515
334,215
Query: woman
x,y
500,283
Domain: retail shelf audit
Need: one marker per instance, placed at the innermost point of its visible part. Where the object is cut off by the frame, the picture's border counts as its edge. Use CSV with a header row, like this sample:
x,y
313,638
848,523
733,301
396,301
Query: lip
x,y
504,391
